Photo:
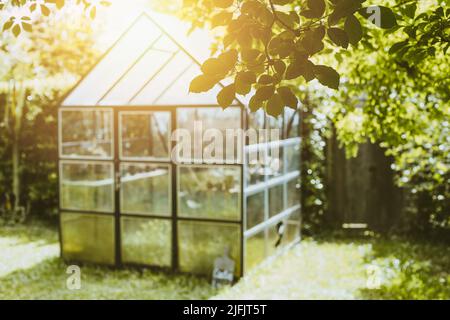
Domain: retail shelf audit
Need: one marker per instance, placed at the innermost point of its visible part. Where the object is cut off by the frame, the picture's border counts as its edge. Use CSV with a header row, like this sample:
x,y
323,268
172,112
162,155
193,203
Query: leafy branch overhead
x,y
22,20
266,44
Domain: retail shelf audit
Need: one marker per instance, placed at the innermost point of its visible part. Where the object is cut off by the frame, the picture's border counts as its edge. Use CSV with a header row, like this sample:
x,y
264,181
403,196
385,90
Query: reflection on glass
x,y
87,186
293,192
275,200
256,121
292,120
145,189
256,167
292,231
255,250
209,192
200,243
293,157
147,241
275,128
86,133
145,135
87,237
274,162
255,209
199,121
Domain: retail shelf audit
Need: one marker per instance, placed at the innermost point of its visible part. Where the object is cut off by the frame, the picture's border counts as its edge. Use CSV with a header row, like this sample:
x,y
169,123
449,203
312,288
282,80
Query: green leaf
x,y
16,30
27,26
353,29
281,2
312,41
275,105
221,19
243,82
316,9
226,96
266,79
338,36
279,66
45,10
397,46
288,97
265,92
203,83
8,24
327,76
343,8
223,3
300,67
381,16
255,104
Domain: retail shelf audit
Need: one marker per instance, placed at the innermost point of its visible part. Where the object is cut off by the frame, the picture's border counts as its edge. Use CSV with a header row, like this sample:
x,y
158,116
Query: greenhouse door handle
x,y
117,182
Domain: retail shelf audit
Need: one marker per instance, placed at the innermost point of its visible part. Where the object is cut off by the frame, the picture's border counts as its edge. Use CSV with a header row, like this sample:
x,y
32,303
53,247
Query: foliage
x,y
265,45
396,94
42,63
21,14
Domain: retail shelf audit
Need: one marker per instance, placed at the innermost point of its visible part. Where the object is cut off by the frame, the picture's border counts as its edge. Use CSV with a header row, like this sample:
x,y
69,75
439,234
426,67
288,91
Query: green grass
x,y
30,268
326,269
351,269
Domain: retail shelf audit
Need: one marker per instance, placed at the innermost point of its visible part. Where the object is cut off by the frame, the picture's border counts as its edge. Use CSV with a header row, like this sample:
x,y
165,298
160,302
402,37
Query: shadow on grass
x,y
47,280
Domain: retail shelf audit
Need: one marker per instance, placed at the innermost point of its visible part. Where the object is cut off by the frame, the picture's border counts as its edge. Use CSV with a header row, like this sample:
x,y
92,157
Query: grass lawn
x,y
333,269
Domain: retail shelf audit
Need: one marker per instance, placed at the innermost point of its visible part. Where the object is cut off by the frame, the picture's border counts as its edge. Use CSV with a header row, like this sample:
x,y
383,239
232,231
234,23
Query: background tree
x,y
36,67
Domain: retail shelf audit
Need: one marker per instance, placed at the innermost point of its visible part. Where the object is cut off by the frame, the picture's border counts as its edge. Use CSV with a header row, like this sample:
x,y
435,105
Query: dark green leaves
x,y
338,36
275,105
300,67
226,96
223,3
203,83
327,76
221,19
214,70
288,97
353,29
316,8
243,82
382,17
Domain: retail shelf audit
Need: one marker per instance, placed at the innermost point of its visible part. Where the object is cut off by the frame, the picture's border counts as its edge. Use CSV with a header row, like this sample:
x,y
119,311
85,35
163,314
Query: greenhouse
x,y
125,200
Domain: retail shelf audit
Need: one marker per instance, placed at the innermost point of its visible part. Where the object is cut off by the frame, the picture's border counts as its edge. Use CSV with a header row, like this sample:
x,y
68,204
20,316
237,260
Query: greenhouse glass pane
x,y
178,92
276,200
293,192
275,127
121,57
145,189
146,241
136,78
198,121
292,157
88,237
145,135
256,168
292,226
86,133
274,167
275,237
212,192
256,123
161,82
87,186
255,209
201,243
255,250
292,120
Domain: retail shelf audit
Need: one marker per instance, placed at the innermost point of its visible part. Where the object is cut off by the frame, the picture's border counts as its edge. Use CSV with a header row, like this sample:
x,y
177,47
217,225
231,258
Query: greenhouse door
x,y
144,187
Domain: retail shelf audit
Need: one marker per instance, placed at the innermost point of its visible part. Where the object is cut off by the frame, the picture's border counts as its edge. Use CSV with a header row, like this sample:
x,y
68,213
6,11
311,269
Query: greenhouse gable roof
x,y
148,66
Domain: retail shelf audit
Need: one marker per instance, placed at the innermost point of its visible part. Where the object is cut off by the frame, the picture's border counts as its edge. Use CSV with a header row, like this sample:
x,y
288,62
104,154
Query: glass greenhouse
x,y
124,200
